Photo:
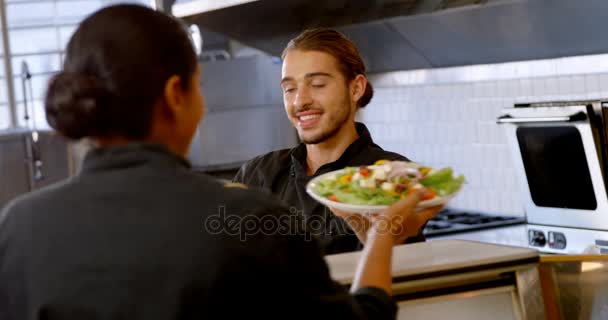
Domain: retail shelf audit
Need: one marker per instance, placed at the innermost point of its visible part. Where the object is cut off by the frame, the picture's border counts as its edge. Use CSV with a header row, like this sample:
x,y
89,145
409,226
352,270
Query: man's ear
x,y
174,95
358,87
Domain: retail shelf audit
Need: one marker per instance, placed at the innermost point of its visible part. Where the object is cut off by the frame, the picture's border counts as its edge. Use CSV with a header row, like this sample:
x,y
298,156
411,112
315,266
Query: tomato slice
x,y
333,198
364,172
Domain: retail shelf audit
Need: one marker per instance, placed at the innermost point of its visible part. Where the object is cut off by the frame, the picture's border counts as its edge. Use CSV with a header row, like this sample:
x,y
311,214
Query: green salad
x,y
385,182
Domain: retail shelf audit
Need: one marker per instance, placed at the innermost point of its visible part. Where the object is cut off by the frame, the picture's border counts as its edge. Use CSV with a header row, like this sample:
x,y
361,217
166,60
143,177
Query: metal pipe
x,y
8,68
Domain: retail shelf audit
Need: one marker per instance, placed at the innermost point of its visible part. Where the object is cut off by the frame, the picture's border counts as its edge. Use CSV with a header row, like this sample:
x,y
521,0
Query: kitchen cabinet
x,y
576,286
495,303
456,279
26,166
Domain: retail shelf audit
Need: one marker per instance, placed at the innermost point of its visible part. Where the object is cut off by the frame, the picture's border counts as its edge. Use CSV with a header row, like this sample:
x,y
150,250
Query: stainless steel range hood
x,y
414,34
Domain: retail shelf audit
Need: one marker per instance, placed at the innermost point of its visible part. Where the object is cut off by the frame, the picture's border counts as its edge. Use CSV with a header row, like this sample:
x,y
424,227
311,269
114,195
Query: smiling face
x,y
318,101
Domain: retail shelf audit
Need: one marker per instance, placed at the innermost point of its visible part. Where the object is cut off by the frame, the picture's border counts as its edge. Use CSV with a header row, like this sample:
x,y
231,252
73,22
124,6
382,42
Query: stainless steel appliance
x,y
15,178
27,166
245,115
560,155
397,35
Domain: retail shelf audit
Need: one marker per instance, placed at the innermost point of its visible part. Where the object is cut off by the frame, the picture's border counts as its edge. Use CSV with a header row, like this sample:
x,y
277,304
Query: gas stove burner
x,y
450,221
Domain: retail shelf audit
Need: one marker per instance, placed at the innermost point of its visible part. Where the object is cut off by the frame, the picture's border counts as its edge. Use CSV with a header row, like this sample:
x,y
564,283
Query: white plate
x,y
359,208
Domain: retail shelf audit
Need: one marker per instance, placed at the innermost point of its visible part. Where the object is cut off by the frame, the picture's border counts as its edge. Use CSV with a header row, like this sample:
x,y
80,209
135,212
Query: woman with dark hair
x,y
136,234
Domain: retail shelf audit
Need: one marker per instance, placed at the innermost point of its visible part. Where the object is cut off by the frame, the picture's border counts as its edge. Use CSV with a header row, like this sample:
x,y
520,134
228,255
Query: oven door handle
x,y
579,116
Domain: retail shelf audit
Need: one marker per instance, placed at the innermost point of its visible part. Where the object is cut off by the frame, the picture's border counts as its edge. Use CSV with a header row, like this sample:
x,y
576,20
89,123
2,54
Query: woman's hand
x,y
402,219
359,223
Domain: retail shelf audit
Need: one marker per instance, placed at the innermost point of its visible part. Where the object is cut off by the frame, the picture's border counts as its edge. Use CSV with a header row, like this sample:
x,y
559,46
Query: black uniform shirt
x,y
283,173
138,235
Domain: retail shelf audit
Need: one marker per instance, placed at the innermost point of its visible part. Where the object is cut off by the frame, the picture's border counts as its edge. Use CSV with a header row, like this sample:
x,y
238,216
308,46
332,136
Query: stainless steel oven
x,y
560,156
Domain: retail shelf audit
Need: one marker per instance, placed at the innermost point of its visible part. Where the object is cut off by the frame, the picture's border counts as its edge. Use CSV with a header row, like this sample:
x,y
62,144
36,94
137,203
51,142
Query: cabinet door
x,y
495,303
14,177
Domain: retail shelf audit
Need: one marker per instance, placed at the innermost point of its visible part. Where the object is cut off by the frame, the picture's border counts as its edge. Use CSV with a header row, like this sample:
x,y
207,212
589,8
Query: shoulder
x,y
277,156
251,197
248,206
40,196
241,195
377,153
264,165
236,193
24,207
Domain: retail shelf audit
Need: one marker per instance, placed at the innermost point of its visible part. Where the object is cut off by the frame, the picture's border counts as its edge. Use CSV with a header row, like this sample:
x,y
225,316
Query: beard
x,y
324,135
335,123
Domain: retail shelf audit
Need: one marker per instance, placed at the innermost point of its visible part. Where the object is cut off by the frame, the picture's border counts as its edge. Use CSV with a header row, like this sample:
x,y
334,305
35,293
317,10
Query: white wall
x,y
446,117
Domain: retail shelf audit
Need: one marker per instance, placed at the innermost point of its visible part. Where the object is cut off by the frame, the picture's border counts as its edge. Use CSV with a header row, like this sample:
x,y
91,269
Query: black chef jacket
x,y
283,173
138,235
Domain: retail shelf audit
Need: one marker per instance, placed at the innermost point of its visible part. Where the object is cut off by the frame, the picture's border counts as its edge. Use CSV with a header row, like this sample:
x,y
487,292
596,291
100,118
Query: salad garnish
x,y
385,182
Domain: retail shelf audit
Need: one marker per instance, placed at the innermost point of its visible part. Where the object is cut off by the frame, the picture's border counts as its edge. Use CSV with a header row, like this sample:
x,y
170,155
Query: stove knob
x,y
557,240
536,238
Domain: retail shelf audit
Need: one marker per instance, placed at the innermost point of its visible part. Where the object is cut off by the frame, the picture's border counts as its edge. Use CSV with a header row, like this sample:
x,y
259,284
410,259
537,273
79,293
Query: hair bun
x,y
74,103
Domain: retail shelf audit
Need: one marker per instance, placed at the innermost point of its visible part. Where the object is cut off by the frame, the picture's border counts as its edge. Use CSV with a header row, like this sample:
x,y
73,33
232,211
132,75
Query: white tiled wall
x,y
447,117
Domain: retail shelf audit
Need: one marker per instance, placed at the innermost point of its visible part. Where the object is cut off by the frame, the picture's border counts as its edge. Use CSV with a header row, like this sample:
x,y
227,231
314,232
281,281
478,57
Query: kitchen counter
x,y
458,279
441,279
426,258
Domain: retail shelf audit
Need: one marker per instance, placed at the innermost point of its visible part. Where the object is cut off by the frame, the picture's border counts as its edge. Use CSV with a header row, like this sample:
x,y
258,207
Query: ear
x,y
174,95
358,86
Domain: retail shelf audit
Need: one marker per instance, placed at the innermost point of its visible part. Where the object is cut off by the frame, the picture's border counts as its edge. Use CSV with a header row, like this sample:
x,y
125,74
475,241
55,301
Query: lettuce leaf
x,y
443,182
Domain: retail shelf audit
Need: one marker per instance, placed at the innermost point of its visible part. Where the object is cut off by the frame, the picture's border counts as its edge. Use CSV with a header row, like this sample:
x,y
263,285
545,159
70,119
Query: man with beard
x,y
324,84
